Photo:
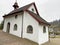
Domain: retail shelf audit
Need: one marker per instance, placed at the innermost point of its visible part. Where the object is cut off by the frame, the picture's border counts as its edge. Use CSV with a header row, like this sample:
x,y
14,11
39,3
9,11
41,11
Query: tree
x,y
1,25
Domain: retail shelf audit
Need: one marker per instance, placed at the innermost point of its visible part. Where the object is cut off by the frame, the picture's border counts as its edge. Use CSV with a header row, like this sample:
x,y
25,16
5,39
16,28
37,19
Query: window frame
x,y
15,27
28,29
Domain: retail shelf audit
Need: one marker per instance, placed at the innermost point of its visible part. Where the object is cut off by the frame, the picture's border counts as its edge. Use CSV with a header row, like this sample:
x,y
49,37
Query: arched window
x,y
29,29
44,29
15,27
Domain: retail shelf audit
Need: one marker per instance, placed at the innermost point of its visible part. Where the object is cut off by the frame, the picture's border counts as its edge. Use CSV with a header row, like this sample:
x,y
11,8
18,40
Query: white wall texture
x,y
29,20
43,37
38,35
13,21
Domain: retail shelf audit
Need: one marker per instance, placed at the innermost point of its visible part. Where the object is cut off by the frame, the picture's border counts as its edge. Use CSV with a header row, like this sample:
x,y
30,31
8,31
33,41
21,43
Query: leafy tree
x,y
1,25
56,26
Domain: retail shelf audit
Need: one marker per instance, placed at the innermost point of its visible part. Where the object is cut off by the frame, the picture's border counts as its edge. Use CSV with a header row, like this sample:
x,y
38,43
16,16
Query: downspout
x,y
22,26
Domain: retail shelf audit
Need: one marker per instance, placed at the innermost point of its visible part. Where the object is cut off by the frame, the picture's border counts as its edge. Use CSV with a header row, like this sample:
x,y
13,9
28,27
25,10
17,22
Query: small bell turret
x,y
16,5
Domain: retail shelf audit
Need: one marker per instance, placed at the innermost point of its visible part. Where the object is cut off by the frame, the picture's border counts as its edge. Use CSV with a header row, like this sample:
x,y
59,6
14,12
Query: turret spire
x,y
15,5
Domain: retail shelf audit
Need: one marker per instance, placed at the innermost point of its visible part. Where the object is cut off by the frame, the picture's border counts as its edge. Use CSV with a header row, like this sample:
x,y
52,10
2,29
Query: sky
x,y
48,9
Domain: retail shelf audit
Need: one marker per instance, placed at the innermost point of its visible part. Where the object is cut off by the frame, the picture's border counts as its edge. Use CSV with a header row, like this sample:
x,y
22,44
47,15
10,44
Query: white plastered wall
x,y
29,20
13,21
43,37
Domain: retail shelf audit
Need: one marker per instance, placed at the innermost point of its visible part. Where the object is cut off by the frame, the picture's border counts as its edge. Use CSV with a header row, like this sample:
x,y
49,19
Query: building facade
x,y
26,22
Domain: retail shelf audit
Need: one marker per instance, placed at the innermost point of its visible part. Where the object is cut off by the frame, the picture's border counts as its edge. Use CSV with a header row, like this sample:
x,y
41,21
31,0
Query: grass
x,y
54,41
57,36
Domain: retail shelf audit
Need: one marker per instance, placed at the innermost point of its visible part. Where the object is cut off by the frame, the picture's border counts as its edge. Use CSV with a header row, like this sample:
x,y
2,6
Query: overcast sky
x,y
48,9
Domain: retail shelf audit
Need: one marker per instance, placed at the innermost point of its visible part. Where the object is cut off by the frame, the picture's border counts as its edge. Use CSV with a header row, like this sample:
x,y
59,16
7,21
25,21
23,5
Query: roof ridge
x,y
23,7
27,4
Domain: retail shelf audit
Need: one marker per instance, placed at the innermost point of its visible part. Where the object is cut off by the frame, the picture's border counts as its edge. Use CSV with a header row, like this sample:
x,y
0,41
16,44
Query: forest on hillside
x,y
55,23
56,26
